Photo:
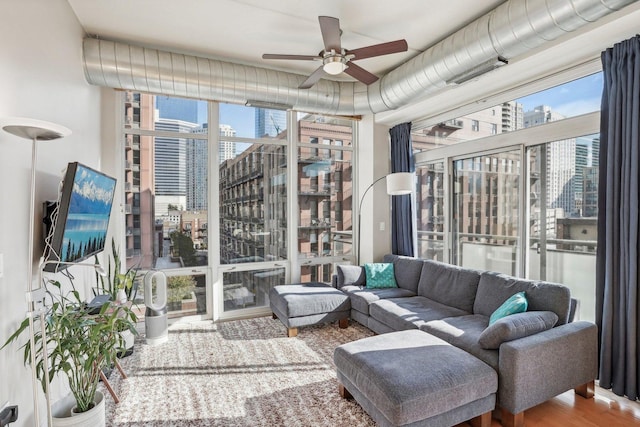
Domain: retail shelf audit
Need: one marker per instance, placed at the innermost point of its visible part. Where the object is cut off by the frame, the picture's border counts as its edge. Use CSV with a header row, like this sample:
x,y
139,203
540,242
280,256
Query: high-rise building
x,y
227,149
197,168
561,159
512,116
595,152
269,122
170,165
540,115
141,236
590,192
582,160
187,110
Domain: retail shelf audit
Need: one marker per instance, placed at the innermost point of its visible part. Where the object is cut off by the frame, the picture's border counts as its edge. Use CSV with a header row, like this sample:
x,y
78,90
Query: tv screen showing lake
x,y
84,235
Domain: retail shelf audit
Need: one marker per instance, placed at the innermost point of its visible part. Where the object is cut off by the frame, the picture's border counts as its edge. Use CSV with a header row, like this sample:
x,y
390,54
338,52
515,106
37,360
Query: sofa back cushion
x,y
495,288
449,284
350,275
407,270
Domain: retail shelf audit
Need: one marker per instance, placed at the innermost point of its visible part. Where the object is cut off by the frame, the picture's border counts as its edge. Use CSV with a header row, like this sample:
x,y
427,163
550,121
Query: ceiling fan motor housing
x,y
334,63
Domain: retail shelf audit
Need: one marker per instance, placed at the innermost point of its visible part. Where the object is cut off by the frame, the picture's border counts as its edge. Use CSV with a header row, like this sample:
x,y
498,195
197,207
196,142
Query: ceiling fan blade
x,y
379,49
297,57
360,73
312,79
330,28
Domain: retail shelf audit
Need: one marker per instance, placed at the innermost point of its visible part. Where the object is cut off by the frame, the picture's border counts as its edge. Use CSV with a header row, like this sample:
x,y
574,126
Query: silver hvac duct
x,y
511,29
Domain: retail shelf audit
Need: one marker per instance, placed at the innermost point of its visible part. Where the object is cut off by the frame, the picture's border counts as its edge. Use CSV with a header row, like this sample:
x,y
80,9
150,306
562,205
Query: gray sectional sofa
x,y
534,363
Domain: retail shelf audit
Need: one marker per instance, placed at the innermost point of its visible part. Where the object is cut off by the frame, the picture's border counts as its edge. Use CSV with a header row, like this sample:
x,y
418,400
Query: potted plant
x,y
80,343
119,287
117,284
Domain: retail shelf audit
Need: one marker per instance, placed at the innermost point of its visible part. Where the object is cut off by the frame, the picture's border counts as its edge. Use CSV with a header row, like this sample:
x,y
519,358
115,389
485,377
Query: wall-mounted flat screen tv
x,y
83,212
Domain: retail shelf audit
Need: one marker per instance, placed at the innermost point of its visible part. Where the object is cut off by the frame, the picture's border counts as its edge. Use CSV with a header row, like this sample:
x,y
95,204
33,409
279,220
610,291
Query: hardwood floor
x,y
571,410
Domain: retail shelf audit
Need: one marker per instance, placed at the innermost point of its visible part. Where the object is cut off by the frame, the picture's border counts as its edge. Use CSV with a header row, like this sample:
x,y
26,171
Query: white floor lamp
x,y
398,184
34,130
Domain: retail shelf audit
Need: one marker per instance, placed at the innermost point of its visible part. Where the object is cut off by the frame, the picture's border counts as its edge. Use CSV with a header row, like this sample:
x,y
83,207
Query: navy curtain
x,y
618,222
401,215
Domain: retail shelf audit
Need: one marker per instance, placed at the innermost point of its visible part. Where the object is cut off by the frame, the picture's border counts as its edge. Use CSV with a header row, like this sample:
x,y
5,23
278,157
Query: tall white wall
x,y
373,162
41,77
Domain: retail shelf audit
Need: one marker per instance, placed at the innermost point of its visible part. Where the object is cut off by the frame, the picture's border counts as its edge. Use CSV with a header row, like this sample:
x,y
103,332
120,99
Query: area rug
x,y
239,373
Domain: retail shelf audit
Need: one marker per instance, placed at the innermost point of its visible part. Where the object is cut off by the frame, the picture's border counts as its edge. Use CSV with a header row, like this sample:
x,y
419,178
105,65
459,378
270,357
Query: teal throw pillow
x,y
380,275
517,303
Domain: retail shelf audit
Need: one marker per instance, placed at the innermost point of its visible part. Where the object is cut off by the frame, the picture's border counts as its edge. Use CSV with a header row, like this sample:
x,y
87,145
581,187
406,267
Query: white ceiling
x,y
242,30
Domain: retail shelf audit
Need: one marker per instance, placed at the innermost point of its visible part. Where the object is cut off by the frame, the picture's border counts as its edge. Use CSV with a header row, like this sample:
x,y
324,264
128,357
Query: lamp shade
x,y
33,129
400,183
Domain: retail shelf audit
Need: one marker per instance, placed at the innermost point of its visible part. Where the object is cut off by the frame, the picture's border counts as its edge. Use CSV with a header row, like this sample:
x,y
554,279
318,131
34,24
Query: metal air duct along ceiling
x,y
513,28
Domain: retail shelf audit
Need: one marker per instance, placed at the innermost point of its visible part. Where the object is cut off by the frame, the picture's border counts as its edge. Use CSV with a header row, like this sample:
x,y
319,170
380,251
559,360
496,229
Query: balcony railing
x,y
452,124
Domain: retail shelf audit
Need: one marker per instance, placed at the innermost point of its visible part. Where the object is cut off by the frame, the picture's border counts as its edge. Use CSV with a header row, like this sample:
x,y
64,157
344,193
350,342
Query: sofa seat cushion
x,y
409,313
449,284
464,332
415,379
305,299
362,297
495,288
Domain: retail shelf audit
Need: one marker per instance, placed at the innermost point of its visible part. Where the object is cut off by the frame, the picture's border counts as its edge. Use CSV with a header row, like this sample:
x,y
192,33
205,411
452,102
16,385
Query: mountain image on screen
x,y
87,220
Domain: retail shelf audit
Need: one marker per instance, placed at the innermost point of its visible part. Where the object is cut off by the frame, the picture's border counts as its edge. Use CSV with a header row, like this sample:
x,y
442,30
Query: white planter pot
x,y
94,417
129,339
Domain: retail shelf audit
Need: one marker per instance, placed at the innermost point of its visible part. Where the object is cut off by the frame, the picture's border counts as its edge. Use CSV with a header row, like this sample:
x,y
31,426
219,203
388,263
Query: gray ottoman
x,y
413,378
305,304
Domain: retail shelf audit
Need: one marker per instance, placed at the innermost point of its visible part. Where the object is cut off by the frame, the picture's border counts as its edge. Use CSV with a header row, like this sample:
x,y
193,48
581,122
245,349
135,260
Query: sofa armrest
x,y
536,368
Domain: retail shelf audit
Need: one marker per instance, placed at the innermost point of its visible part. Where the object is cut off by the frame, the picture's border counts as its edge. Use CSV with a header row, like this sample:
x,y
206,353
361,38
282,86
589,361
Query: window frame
x,y
214,271
572,127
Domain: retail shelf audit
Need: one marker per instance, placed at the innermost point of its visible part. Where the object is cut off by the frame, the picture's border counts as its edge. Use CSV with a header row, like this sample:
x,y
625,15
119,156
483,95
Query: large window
x,y
325,194
253,201
182,197
486,211
523,202
563,214
165,155
431,211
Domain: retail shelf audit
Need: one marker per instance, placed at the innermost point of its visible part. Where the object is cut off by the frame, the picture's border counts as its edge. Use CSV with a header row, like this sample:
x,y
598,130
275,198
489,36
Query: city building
x,y
197,171
512,116
139,190
187,110
227,149
170,165
561,162
590,192
269,122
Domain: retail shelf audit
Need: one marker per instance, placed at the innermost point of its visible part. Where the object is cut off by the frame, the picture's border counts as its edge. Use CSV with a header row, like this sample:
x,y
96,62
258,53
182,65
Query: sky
x,y
240,118
570,99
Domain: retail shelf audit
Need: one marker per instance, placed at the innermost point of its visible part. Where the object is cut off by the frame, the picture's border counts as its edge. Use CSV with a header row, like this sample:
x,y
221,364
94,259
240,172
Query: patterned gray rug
x,y
240,373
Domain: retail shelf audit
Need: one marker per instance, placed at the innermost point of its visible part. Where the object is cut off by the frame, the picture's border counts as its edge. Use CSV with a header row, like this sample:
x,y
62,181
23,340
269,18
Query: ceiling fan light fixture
x,y
334,64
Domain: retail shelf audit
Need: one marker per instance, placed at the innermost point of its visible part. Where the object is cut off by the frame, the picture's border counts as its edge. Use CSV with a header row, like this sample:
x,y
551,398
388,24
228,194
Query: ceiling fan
x,y
335,59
